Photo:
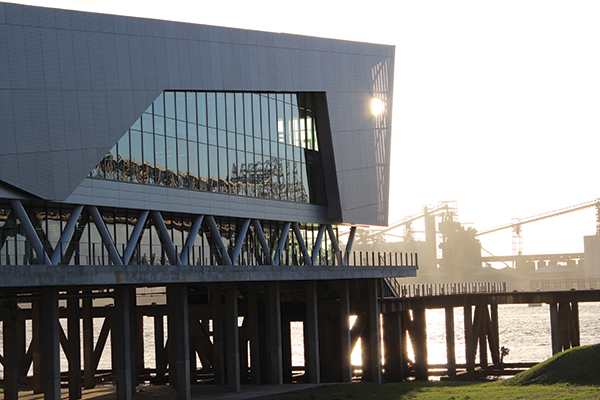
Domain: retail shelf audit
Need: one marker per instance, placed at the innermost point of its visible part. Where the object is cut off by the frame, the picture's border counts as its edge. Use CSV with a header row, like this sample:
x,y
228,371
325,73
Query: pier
x,y
241,333
480,328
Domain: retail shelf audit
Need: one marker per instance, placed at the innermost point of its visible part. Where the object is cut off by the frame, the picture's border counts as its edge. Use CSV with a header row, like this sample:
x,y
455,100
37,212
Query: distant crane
x,y
447,206
516,223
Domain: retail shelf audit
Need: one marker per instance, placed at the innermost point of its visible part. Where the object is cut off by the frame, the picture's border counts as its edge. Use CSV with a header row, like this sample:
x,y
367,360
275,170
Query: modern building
x,y
217,163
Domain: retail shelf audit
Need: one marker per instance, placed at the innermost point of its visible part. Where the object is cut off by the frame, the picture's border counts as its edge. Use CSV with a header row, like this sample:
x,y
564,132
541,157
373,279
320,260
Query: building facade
x,y
147,153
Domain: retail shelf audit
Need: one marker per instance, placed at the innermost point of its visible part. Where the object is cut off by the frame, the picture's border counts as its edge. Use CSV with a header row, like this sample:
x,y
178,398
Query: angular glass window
x,y
245,143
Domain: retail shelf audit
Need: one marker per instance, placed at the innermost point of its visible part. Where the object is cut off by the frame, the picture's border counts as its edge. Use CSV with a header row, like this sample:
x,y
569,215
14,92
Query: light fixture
x,y
377,106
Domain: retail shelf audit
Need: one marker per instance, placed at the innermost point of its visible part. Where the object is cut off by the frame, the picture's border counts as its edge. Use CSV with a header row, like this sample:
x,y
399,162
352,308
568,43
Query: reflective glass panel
x,y
248,144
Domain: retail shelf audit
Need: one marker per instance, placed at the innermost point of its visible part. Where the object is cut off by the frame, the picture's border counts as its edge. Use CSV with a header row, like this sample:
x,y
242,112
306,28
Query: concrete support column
x,y
89,380
133,337
138,333
574,323
275,358
374,358
450,346
482,318
36,342
11,357
494,337
74,343
218,336
121,342
50,329
392,347
469,338
232,341
286,349
405,323
345,332
179,339
311,334
419,342
254,335
159,346
554,329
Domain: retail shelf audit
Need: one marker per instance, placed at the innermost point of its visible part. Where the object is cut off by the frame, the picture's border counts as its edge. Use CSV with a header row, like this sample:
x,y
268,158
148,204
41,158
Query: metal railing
x,y
564,284
21,252
443,289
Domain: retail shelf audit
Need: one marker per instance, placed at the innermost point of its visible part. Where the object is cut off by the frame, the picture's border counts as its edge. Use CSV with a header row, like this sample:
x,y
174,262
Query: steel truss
x,y
225,254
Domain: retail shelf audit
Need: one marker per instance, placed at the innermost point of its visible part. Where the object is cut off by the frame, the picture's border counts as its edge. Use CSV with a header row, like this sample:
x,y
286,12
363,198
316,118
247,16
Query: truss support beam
x,y
105,235
302,244
30,232
317,248
349,245
185,253
214,230
65,237
165,237
263,241
333,238
239,241
135,236
281,243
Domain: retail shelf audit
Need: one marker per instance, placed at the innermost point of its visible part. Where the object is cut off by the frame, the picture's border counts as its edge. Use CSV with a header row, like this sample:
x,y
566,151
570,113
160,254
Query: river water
x,y
525,330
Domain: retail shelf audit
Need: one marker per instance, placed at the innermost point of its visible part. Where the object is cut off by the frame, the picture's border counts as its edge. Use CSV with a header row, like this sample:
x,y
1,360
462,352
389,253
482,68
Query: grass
x,y
443,390
571,374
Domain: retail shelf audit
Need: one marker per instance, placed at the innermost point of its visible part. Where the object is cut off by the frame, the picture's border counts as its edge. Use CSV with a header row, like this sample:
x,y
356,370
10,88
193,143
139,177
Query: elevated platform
x,y
25,276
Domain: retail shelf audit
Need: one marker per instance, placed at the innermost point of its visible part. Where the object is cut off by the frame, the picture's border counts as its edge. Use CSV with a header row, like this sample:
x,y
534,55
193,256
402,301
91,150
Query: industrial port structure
x,y
452,252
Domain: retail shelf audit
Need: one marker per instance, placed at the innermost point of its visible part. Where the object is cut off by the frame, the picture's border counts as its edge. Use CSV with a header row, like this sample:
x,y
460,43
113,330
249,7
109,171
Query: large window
x,y
249,144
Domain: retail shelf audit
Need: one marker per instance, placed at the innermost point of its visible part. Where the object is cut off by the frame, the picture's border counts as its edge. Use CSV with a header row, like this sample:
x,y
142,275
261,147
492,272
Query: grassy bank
x,y
443,390
571,374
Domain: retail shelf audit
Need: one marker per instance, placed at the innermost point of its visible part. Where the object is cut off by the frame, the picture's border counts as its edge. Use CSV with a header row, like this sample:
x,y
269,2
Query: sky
x,y
496,103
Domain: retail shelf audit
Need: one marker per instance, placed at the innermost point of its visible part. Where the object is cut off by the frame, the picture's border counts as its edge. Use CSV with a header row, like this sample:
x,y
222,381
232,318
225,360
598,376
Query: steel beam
x,y
349,244
65,236
302,244
263,242
281,242
239,241
165,237
30,232
191,239
214,230
317,247
105,235
135,236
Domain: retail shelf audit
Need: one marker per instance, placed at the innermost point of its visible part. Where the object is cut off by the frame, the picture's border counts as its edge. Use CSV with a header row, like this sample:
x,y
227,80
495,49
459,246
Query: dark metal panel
x,y
109,61
183,55
96,57
123,62
136,61
50,60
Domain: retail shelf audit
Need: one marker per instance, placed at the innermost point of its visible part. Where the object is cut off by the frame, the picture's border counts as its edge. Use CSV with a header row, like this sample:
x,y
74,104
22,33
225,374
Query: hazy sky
x,y
496,103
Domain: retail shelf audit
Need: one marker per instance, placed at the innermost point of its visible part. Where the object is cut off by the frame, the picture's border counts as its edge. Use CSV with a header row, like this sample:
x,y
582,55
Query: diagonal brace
x,y
191,239
218,240
317,246
165,237
239,241
34,239
263,242
302,244
135,236
63,242
281,243
105,235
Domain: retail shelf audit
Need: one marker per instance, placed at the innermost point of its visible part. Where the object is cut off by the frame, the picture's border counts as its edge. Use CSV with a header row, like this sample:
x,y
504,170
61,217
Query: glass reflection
x,y
248,144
